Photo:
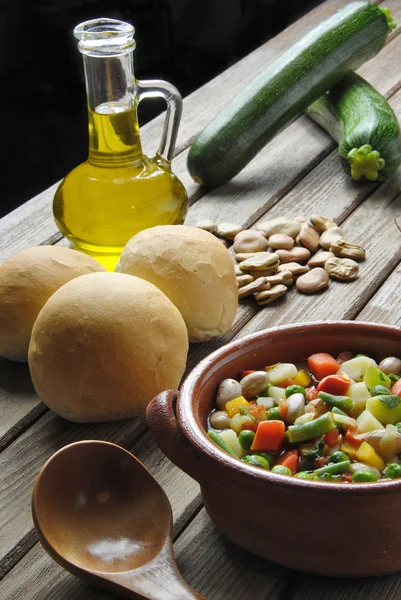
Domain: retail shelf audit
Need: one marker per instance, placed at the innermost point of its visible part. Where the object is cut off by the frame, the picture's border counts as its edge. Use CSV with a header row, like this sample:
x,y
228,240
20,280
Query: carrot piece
x,y
243,374
331,437
311,394
322,364
351,435
334,384
396,389
285,383
290,460
283,408
269,436
347,477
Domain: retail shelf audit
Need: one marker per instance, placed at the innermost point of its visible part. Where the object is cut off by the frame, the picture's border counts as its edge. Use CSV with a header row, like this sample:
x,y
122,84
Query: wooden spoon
x,y
101,515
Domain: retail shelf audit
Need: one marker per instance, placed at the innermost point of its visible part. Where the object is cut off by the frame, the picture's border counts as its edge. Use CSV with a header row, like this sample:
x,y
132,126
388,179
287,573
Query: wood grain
x,y
385,305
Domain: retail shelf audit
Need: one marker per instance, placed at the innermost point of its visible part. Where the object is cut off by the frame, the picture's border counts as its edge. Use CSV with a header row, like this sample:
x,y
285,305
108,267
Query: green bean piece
x,y
294,389
363,476
393,470
303,475
393,377
256,461
281,470
333,468
378,390
338,411
343,402
217,439
246,438
338,457
273,414
312,429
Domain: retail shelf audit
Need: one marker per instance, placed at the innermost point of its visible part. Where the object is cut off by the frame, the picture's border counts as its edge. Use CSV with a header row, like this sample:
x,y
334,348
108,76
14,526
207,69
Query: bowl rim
x,y
198,437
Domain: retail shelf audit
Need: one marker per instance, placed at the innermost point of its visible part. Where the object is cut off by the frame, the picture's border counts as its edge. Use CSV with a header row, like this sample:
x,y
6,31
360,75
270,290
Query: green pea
x,y
364,475
266,455
294,389
246,438
256,461
378,390
281,470
393,470
274,415
338,457
358,355
303,475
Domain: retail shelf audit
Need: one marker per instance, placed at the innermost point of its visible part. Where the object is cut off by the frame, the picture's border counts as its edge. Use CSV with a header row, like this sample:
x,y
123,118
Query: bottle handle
x,y
157,88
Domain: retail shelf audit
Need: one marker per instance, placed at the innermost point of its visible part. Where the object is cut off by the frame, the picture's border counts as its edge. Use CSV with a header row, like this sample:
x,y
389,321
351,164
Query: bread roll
x,y
27,280
104,345
193,268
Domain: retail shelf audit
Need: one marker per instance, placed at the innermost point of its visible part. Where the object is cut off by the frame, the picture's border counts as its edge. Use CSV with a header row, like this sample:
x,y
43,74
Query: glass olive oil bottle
x,y
118,191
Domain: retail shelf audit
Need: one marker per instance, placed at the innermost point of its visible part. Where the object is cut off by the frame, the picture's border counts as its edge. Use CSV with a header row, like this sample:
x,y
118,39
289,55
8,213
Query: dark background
x,y
42,95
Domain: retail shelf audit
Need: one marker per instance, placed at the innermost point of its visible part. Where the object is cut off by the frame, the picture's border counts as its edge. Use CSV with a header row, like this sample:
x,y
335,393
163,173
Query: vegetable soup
x,y
332,418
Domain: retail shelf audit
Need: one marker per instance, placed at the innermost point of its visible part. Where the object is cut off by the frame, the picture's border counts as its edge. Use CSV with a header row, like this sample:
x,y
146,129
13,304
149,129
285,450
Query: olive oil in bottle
x,y
118,191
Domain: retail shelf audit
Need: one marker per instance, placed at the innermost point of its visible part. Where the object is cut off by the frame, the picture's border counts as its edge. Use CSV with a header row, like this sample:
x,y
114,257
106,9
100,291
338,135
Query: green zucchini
x,y
285,89
364,125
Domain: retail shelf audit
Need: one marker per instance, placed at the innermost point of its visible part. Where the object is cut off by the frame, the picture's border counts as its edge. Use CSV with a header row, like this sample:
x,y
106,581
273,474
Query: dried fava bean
x,y
265,273
342,268
284,277
319,259
268,296
245,232
391,364
244,280
281,240
293,255
219,419
294,268
314,281
260,262
237,270
320,223
252,288
280,225
228,230
330,236
253,242
347,250
301,219
244,256
228,390
207,225
254,383
308,238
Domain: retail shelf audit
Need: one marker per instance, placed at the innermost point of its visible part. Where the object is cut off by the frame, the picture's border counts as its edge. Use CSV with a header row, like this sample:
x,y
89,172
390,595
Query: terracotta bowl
x,y
316,527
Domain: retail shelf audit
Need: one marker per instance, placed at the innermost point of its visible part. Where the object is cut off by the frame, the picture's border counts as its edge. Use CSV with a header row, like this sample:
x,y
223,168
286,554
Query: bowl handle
x,y
160,415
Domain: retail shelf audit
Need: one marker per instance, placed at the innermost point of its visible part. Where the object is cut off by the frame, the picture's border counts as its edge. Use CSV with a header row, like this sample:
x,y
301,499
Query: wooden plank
x,y
385,306
208,561
33,223
22,460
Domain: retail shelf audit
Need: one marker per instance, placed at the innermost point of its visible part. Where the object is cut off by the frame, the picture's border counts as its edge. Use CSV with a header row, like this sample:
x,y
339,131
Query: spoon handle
x,y
159,579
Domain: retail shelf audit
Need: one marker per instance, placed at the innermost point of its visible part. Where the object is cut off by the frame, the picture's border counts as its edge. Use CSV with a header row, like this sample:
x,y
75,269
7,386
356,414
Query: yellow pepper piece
x,y
232,407
367,454
350,450
302,378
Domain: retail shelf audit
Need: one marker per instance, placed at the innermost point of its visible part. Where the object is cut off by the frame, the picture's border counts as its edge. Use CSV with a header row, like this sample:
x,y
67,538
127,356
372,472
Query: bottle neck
x,y
112,110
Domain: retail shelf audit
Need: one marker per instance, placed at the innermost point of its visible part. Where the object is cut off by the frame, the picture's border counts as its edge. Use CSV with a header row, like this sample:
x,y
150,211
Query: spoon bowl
x,y
102,516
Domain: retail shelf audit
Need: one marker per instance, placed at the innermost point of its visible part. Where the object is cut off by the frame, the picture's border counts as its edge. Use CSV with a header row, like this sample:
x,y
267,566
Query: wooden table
x,y
297,173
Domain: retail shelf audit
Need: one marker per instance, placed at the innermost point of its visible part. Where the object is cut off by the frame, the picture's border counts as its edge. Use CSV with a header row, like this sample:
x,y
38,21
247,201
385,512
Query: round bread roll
x,y
104,345
27,280
193,268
